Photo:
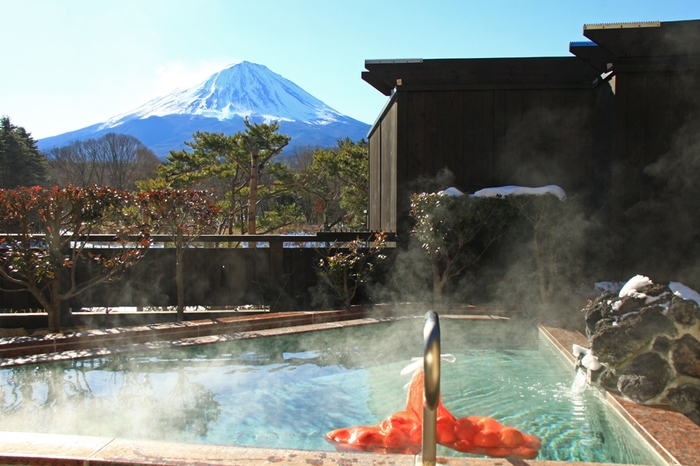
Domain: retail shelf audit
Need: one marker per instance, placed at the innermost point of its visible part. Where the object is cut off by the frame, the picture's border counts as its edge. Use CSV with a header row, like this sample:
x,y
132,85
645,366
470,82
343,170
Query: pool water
x,y
288,391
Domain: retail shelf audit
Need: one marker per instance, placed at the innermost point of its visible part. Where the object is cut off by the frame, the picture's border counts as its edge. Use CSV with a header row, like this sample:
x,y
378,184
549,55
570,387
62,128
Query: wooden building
x,y
594,123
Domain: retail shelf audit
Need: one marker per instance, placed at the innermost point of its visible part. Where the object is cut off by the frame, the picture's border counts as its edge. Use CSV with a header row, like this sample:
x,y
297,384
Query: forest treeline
x,y
257,188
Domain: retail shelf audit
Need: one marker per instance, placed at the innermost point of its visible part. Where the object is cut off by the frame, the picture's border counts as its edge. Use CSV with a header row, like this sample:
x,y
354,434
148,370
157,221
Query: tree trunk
x,y
231,209
53,309
253,199
231,218
438,283
348,298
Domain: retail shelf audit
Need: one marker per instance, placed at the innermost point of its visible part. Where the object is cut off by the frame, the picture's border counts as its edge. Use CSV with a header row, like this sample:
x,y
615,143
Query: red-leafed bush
x,y
183,215
46,232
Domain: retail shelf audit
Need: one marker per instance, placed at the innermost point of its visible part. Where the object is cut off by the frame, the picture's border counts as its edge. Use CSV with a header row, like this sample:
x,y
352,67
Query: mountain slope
x,y
220,104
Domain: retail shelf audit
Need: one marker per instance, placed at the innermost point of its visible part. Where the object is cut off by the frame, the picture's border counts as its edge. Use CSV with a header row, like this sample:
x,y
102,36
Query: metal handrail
x,y
431,386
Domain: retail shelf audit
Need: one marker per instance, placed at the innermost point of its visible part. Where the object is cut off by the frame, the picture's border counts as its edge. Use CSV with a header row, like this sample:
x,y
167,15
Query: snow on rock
x,y
586,358
521,190
650,354
631,289
578,350
633,284
591,362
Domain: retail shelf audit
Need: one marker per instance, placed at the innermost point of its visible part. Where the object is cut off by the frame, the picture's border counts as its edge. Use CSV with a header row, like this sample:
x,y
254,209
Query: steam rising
x,y
507,276
237,392
669,222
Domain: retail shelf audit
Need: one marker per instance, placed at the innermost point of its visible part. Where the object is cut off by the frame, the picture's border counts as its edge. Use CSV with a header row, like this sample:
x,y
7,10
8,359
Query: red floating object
x,y
402,432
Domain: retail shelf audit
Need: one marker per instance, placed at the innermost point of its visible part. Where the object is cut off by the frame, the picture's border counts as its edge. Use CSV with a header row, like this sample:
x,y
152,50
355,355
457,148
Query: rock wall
x,y
648,343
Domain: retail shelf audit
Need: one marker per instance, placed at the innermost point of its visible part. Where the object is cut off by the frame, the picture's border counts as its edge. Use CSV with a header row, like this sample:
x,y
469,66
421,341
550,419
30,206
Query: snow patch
x,y
452,191
633,284
584,359
631,289
578,350
591,362
521,190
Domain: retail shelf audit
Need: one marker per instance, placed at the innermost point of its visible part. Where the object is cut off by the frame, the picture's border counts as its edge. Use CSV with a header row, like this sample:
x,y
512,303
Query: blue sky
x,y
69,64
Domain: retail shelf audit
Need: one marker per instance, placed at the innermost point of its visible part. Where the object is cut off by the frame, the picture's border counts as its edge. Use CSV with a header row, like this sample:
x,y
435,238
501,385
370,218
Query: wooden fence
x,y
276,271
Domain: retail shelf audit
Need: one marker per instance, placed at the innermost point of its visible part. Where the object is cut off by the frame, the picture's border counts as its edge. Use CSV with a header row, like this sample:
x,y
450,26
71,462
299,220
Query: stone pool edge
x,y
44,449
660,428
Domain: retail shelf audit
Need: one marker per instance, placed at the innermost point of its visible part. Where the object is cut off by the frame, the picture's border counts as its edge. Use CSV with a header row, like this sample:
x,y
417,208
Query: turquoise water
x,y
288,391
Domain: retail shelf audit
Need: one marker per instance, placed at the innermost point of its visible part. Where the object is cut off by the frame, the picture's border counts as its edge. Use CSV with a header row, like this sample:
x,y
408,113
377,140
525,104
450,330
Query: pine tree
x,y
21,163
246,158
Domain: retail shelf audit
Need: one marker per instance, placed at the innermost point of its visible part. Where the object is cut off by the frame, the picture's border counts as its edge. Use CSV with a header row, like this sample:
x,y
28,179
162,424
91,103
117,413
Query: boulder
x,y
684,311
648,341
686,398
644,378
686,356
620,339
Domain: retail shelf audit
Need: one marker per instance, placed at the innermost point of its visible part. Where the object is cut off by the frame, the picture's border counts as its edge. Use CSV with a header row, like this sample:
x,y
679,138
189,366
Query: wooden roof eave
x,y
377,83
647,39
480,73
593,54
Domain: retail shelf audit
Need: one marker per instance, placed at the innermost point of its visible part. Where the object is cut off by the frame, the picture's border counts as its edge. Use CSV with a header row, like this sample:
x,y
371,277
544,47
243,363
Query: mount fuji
x,y
219,105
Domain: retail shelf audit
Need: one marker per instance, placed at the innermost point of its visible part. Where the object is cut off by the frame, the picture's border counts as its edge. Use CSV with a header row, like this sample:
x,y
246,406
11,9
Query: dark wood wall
x,y
383,164
629,149
655,198
657,114
488,137
375,181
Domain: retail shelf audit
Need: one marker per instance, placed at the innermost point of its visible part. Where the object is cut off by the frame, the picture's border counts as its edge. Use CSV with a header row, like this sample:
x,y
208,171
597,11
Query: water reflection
x,y
188,407
105,397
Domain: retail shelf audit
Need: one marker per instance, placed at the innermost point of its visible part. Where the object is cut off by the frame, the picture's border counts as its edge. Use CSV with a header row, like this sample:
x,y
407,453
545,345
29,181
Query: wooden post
x,y
276,268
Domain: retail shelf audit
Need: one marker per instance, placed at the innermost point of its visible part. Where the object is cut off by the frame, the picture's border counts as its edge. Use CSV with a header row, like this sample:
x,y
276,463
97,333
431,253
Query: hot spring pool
x,y
288,391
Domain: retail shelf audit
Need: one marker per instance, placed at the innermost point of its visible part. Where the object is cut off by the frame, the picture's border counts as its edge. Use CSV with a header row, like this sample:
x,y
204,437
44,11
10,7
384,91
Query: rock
x,y
649,344
656,290
685,398
615,342
608,380
627,305
661,344
645,378
594,311
684,311
686,356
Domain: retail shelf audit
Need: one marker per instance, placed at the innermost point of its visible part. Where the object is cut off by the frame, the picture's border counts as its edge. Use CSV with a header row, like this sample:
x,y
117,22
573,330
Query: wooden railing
x,y
275,271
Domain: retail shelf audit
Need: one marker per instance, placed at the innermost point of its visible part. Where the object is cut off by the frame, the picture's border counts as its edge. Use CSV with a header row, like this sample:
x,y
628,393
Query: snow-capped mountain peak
x,y
245,90
219,105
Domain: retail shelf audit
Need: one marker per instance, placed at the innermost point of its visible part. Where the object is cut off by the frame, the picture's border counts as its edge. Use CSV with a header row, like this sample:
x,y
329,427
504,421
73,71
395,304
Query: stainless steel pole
x,y
431,386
